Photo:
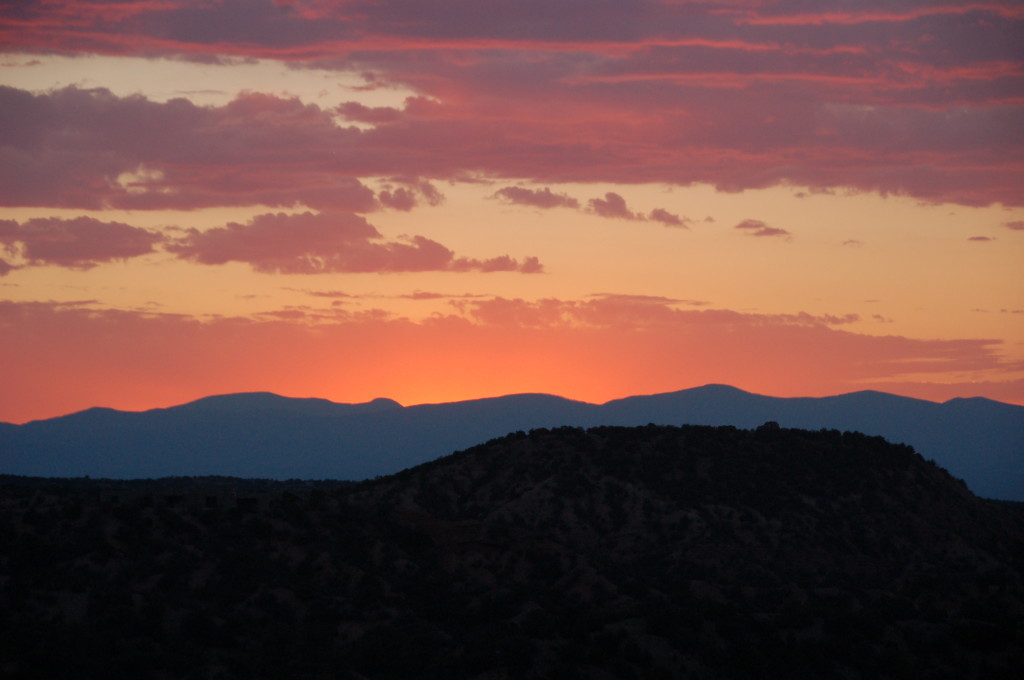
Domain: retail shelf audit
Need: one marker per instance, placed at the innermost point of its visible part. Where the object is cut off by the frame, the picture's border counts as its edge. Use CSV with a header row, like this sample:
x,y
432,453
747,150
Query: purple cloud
x,y
80,243
399,198
759,228
90,149
809,95
666,218
413,192
311,243
613,206
536,198
366,114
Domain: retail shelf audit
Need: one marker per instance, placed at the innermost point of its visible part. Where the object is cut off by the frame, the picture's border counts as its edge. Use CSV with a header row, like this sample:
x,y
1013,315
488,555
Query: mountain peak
x,y
262,402
719,387
383,403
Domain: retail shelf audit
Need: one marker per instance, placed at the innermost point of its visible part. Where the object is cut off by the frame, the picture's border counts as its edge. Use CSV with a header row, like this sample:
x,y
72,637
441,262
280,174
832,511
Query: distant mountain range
x,y
263,435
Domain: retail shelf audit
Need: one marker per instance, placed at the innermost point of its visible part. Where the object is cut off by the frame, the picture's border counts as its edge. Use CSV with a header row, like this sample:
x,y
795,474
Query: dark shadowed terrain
x,y
647,552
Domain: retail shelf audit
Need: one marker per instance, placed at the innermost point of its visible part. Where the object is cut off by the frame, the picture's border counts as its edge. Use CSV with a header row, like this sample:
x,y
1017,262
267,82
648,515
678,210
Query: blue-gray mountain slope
x,y
265,435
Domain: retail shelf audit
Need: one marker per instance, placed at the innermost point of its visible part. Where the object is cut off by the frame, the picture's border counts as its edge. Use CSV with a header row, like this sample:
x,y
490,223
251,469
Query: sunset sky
x,y
436,200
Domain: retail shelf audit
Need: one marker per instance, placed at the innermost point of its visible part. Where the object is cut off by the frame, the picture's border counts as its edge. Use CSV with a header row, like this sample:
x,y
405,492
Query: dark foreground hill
x,y
650,552
265,435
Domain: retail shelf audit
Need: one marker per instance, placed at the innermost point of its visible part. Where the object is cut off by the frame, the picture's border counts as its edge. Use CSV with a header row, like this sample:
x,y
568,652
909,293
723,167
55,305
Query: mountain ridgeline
x,y
267,436
612,552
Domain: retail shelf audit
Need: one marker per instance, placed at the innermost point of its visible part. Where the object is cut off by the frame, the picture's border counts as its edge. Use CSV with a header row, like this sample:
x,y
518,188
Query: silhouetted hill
x,y
648,552
266,402
265,435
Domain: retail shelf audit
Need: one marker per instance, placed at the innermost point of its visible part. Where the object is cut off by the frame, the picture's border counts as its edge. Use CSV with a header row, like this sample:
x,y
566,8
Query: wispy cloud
x,y
536,198
612,206
759,228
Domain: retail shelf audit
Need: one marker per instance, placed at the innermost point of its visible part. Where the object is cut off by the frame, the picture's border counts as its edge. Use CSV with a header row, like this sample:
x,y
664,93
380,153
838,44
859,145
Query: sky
x,y
457,199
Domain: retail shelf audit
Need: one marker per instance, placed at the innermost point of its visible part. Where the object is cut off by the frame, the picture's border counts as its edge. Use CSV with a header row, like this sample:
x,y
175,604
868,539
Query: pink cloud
x,y
740,96
367,114
536,198
328,293
130,153
759,228
90,149
621,312
881,14
613,206
1016,225
502,263
413,193
657,300
309,243
666,218
299,28
285,314
399,198
425,295
980,239
81,242
430,295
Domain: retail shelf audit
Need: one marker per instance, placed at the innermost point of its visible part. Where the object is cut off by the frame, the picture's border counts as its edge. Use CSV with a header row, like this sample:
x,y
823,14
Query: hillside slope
x,y
650,552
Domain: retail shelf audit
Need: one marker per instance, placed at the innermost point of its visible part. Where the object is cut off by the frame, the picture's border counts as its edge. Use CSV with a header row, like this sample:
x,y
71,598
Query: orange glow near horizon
x,y
136,363
588,204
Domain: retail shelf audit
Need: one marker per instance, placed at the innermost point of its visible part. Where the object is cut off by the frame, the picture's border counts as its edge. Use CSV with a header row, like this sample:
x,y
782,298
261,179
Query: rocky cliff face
x,y
603,553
